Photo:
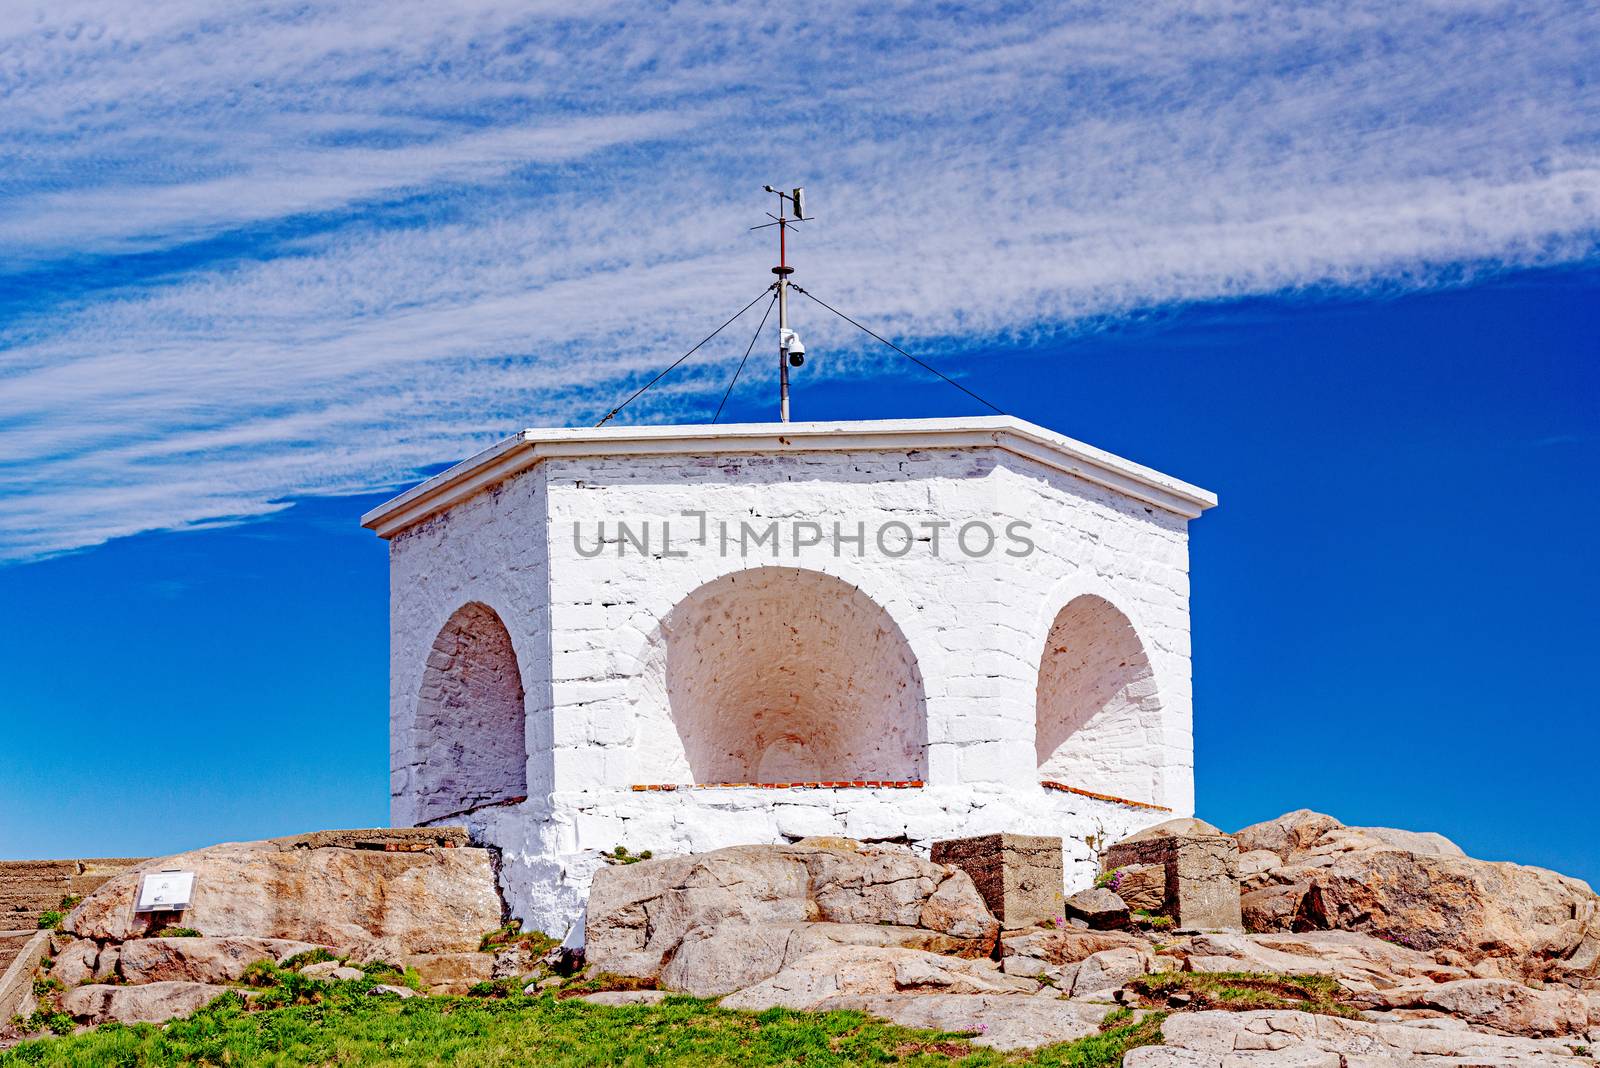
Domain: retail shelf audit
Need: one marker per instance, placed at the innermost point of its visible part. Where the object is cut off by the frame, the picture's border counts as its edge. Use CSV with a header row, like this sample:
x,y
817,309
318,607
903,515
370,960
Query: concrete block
x,y
1018,875
1202,876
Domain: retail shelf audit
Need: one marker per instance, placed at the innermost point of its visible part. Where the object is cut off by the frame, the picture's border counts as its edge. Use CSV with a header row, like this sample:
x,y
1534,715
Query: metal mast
x,y
791,352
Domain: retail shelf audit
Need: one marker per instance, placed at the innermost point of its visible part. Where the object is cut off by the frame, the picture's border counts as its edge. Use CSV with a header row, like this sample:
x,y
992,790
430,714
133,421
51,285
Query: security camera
x,y
793,347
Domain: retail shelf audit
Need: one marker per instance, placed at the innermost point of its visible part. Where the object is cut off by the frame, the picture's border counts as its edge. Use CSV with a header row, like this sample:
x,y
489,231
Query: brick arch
x,y
776,674
1098,714
470,745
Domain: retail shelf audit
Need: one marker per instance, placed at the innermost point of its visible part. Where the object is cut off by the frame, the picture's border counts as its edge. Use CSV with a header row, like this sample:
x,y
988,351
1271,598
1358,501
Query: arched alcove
x,y
1098,713
778,675
470,744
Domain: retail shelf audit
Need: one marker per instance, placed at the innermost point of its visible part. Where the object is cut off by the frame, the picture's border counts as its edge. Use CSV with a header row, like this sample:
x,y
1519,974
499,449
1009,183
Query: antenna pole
x,y
783,270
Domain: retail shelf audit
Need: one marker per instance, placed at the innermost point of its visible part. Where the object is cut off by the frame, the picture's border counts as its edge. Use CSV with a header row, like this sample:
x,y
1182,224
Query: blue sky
x,y
1336,262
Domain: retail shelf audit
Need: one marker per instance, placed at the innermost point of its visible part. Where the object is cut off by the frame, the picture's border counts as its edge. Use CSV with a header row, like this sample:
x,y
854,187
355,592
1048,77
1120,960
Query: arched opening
x,y
1098,714
471,748
783,675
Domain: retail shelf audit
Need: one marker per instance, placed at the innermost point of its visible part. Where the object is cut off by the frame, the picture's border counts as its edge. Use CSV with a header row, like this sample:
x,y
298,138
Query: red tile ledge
x,y
855,784
1064,788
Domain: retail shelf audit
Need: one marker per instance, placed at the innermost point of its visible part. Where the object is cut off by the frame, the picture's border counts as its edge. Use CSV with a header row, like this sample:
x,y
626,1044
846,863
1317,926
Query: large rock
x,y
1418,891
1289,836
76,962
431,900
1498,1003
1067,945
1360,962
867,971
450,973
1279,907
999,1021
153,1003
200,960
1284,1039
639,913
710,962
1100,908
1101,974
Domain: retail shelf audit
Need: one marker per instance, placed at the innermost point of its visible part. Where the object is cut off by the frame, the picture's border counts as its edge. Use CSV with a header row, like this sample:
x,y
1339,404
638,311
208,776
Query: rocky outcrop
x,y
152,1003
413,897
356,900
712,961
1284,1039
1419,891
821,978
1501,1004
640,914
199,960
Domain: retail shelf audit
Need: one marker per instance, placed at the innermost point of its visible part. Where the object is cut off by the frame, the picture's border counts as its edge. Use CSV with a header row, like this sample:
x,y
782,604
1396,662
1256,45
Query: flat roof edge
x,y
527,448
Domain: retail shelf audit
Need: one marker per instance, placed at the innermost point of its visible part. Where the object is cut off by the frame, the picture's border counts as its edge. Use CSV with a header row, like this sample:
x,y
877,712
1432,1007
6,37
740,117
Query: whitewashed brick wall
x,y
587,633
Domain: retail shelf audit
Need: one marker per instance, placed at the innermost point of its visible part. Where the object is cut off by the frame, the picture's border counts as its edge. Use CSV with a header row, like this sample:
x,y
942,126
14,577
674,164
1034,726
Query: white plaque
x,y
165,891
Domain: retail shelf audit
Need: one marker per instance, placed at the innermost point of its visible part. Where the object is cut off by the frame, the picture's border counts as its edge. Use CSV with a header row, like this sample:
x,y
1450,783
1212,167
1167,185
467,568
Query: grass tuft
x,y
1243,991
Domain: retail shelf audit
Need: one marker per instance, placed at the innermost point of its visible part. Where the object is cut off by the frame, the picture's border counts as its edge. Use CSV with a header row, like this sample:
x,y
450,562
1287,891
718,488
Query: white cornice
x,y
527,448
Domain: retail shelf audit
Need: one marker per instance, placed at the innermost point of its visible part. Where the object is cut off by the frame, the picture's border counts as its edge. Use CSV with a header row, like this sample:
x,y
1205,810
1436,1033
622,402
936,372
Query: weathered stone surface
x,y
76,963
1258,862
1201,867
401,992
1498,1003
709,962
1002,1021
626,997
1066,945
322,969
829,841
514,960
1183,827
639,913
1099,974
1287,836
1019,876
1100,908
435,900
106,964
151,1003
1360,962
200,960
1419,891
450,973
1279,907
866,971
1141,886
1280,1039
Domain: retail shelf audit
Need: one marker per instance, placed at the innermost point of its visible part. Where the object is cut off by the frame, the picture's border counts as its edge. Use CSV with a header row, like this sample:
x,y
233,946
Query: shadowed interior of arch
x,y
780,675
471,745
1098,715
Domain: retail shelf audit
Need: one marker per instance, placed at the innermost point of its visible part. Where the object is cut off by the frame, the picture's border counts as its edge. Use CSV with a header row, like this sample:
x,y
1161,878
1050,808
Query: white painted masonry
x,y
793,603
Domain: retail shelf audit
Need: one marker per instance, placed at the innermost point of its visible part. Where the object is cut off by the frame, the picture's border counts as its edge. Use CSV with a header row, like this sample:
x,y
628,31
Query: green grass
x,y
1243,991
350,1028
538,942
50,919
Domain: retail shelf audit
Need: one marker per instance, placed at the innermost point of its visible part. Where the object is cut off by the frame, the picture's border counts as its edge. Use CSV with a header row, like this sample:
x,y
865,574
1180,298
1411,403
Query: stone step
x,y
31,887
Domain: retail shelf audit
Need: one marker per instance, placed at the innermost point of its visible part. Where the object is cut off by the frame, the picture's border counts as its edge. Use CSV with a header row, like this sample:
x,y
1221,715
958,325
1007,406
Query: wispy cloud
x,y
311,248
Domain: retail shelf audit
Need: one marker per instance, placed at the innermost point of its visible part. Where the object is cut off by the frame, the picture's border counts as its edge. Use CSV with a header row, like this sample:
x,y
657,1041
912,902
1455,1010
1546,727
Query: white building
x,y
677,638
